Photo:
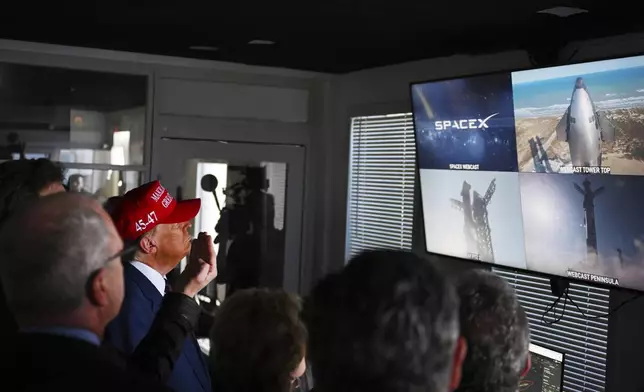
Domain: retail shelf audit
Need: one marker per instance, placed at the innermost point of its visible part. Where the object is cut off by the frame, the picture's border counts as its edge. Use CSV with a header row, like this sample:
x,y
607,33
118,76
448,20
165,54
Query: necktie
x,y
168,288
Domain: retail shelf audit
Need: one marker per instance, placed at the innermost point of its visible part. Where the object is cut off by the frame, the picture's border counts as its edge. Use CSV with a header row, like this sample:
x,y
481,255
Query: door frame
x,y
169,167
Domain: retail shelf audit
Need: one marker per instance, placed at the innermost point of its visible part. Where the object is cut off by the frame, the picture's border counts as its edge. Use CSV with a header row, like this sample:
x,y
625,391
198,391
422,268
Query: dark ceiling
x,y
328,36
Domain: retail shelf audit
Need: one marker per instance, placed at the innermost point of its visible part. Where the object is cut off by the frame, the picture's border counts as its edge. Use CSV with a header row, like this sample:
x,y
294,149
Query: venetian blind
x,y
584,341
381,183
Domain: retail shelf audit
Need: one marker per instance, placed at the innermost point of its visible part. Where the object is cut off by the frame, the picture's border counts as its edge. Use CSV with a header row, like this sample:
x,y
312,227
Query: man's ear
x,y
97,288
528,365
147,244
460,351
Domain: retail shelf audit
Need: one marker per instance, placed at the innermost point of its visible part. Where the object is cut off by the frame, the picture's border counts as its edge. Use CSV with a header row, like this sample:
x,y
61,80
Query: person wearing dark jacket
x,y
25,181
156,355
151,220
63,279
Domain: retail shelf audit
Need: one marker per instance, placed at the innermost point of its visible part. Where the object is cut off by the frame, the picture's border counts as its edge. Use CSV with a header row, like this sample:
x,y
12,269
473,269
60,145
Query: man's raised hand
x,y
201,268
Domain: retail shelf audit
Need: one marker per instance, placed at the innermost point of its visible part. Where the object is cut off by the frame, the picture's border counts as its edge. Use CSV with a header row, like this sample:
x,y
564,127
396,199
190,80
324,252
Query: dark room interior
x,y
122,93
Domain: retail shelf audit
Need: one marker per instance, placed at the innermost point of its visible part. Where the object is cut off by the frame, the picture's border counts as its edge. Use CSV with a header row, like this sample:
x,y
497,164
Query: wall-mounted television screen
x,y
541,170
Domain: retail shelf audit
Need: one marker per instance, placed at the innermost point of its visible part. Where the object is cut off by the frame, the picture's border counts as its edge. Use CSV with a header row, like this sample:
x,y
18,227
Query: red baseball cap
x,y
144,208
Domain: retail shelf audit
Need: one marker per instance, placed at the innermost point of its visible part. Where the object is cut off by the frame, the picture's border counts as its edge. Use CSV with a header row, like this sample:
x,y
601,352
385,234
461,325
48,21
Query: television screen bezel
x,y
420,190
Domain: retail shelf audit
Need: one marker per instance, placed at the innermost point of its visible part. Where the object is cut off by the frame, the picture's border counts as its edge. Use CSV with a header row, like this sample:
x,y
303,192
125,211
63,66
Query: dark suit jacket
x,y
142,302
157,353
43,362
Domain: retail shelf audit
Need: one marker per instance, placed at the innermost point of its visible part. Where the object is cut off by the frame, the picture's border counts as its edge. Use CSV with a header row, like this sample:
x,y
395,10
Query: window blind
x,y
381,183
584,341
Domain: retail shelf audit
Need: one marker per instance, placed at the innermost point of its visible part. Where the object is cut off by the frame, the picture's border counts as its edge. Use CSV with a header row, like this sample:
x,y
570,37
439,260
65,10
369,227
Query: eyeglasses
x,y
123,252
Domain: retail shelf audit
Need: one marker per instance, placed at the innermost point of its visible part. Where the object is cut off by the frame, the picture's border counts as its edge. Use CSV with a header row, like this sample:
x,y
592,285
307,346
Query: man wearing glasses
x,y
22,183
157,226
63,279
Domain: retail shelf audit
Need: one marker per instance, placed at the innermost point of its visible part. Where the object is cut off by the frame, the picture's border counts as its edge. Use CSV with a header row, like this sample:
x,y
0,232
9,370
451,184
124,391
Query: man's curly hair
x,y
258,339
22,180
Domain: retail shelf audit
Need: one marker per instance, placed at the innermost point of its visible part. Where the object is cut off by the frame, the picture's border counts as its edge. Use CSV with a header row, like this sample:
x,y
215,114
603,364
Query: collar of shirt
x,y
153,275
75,333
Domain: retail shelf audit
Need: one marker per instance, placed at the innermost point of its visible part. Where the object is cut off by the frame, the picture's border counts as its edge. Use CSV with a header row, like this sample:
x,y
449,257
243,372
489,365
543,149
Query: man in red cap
x,y
150,220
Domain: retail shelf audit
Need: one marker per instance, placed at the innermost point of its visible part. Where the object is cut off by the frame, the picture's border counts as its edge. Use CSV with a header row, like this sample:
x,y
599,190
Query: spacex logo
x,y
470,123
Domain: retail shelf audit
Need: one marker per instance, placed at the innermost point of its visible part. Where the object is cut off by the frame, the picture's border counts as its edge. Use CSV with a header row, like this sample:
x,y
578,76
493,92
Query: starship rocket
x,y
584,128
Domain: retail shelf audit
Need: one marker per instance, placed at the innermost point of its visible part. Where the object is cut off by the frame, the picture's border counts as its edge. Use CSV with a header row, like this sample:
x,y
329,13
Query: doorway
x,y
252,201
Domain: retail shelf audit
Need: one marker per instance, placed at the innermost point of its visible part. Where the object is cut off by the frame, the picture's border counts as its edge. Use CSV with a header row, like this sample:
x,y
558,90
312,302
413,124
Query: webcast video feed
x,y
465,124
585,227
582,118
474,215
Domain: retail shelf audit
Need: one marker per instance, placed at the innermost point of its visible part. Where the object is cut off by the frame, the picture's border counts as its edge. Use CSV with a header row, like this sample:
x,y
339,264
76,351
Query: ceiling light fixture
x,y
563,12
261,42
204,48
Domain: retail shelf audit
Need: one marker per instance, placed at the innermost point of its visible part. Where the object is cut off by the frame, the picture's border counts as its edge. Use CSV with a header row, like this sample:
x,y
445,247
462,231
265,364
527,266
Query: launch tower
x,y
476,226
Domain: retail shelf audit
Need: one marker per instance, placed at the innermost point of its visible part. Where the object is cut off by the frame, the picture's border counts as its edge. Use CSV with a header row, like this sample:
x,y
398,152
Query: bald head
x,y
50,248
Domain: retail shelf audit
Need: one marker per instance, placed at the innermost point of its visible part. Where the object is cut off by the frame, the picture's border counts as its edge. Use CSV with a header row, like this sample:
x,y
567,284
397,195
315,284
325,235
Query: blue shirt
x,y
75,333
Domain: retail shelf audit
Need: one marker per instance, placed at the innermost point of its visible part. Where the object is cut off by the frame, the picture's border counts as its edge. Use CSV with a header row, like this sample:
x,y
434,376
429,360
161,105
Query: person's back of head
x,y
21,182
112,203
388,322
258,342
497,333
58,265
25,180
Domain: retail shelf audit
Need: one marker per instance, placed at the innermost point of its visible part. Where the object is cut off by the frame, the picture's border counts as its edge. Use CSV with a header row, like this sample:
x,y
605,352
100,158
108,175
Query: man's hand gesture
x,y
201,268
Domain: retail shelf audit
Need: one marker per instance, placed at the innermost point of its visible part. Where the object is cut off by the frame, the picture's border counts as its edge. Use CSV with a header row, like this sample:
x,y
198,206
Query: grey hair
x,y
497,332
49,252
388,322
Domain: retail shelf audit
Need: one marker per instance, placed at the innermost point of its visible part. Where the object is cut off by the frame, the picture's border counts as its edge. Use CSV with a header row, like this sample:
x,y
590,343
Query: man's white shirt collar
x,y
153,275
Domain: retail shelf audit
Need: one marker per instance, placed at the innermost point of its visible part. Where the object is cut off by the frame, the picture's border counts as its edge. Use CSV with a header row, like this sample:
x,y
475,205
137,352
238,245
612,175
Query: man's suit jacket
x,y
142,302
45,362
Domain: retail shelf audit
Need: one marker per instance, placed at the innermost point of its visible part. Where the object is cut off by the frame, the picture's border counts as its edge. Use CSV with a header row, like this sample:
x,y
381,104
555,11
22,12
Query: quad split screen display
x,y
541,170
